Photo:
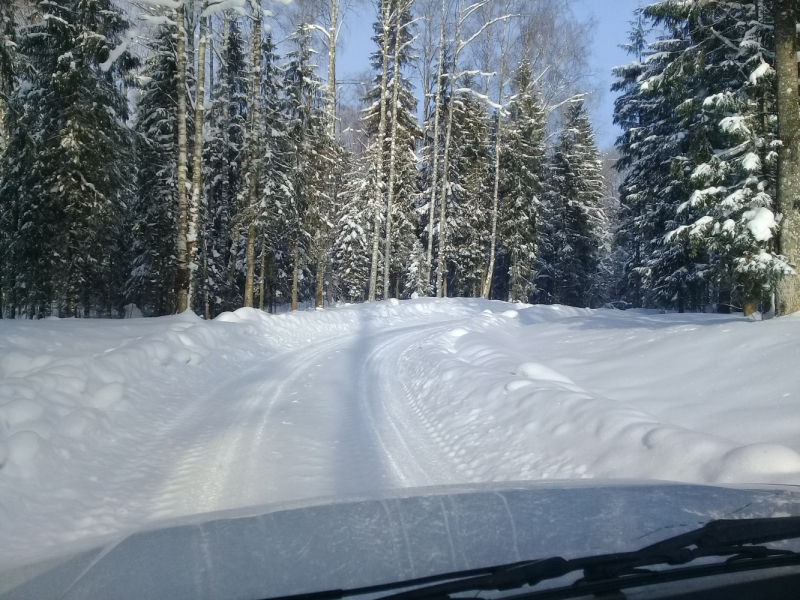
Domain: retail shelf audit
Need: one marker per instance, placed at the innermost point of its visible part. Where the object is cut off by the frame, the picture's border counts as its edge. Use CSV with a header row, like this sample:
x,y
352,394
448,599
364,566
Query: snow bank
x,y
50,396
498,415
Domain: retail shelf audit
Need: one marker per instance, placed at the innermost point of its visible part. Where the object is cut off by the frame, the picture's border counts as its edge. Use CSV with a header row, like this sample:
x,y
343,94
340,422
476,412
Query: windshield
x,y
265,256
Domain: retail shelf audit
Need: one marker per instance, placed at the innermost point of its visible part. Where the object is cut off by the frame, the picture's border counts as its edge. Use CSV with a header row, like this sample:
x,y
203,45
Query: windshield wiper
x,y
739,539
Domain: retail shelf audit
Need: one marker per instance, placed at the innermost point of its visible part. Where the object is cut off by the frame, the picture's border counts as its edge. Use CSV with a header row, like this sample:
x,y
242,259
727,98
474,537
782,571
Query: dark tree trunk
x,y
789,154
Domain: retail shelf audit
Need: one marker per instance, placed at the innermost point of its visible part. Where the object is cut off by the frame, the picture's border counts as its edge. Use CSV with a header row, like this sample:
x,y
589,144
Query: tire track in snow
x,y
305,432
406,438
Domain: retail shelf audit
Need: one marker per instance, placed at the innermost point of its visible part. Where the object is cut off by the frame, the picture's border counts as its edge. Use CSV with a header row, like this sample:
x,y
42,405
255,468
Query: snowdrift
x,y
102,423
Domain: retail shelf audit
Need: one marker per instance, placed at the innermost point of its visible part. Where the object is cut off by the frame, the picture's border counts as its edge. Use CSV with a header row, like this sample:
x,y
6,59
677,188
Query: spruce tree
x,y
469,201
353,241
70,205
152,281
653,148
577,223
520,186
306,134
223,164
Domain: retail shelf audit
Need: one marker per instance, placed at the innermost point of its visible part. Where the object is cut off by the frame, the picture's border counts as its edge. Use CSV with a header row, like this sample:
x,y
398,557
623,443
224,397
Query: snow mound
x,y
533,370
500,416
740,465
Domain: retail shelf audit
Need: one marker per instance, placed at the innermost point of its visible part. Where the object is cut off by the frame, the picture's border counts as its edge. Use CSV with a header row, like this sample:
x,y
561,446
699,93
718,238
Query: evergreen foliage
x,y
152,281
576,223
66,170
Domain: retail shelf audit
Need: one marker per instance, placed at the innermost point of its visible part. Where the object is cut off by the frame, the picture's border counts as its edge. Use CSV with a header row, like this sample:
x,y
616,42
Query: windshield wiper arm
x,y
737,538
731,537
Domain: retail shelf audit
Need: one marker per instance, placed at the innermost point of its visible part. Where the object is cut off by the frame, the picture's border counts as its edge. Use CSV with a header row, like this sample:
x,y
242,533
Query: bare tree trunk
x,y
206,299
211,54
436,132
295,258
319,297
232,260
261,273
330,110
330,102
251,266
387,256
373,273
440,271
789,153
254,107
269,289
183,276
194,206
487,284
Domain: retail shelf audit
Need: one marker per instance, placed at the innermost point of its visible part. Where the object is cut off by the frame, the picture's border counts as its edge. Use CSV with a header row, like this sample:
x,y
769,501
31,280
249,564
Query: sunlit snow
x,y
108,425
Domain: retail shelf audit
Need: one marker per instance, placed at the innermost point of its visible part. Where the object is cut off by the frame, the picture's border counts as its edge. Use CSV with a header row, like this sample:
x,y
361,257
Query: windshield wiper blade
x,y
725,537
737,538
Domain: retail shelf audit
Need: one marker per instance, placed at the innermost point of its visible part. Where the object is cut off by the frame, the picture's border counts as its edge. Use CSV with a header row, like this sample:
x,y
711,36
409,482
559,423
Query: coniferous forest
x,y
203,155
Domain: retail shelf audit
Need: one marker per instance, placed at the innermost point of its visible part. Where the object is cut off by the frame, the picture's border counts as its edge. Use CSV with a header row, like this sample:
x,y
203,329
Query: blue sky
x,y
612,17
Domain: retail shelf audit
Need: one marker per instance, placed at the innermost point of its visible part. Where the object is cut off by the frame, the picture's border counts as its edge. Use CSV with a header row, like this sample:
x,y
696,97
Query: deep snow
x,y
108,425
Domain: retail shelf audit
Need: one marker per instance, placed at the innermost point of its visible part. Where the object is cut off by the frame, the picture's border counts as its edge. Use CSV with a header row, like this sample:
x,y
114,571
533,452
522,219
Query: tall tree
x,y
789,152
183,278
253,145
487,285
576,218
402,39
152,281
193,227
223,167
521,189
78,185
380,60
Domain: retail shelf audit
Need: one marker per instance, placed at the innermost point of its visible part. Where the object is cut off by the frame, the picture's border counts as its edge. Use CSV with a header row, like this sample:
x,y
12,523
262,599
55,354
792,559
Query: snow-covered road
x,y
310,422
107,426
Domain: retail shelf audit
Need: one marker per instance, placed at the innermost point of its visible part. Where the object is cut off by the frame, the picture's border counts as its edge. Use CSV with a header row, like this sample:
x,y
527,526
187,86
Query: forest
x,y
160,156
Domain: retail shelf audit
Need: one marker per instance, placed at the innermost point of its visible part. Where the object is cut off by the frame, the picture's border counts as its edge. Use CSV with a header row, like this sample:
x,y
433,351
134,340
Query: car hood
x,y
300,548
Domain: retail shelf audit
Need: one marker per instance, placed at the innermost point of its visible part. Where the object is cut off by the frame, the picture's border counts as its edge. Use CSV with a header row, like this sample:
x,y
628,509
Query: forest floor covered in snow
x,y
106,426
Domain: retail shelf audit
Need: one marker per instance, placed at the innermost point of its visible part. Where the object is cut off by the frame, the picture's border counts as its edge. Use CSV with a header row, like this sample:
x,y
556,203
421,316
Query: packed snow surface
x,y
106,426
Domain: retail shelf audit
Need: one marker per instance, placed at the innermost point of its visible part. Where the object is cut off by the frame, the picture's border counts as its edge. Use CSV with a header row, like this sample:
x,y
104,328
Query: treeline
x,y
233,180
710,157
191,164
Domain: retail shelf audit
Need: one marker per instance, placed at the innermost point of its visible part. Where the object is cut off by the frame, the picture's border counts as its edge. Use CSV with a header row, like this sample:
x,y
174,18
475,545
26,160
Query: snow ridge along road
x,y
106,426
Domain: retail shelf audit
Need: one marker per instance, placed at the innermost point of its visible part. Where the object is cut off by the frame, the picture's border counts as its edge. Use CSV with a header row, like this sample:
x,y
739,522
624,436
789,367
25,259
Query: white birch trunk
x,y
440,271
182,282
330,103
373,274
436,123
252,151
199,112
487,284
251,266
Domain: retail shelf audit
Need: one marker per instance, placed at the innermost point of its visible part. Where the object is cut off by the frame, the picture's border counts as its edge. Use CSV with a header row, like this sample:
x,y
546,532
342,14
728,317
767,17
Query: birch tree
x,y
254,115
436,133
385,20
487,284
184,274
193,228
459,45
399,43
